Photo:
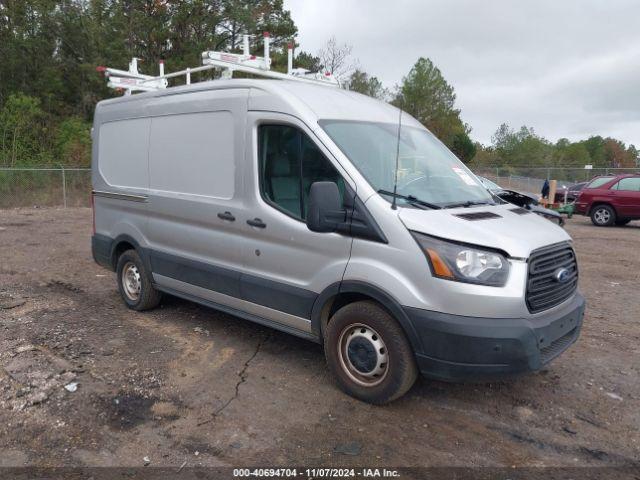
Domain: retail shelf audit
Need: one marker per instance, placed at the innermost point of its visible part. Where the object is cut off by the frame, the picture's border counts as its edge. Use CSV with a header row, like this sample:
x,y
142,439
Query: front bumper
x,y
581,208
456,348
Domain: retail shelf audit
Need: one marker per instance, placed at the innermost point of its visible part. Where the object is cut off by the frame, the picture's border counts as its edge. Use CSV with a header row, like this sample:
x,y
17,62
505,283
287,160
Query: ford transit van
x,y
332,216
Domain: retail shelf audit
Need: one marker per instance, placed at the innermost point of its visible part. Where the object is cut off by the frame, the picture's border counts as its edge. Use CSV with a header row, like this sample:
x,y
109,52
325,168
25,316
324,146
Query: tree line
x,y
525,148
429,98
49,50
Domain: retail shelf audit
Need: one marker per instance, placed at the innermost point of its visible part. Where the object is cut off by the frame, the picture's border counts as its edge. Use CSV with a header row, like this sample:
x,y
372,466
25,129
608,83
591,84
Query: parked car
x,y
611,199
568,194
574,190
275,201
523,200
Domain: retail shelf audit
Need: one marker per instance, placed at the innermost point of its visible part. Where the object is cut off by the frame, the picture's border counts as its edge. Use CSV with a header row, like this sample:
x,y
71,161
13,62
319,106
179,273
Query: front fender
x,y
373,292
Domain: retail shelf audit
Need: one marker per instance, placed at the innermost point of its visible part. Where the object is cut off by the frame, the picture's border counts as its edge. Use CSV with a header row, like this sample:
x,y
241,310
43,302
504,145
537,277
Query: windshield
x,y
489,184
427,170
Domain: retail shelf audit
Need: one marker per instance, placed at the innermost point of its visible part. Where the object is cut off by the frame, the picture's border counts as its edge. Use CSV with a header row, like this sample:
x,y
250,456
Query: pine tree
x,y
425,94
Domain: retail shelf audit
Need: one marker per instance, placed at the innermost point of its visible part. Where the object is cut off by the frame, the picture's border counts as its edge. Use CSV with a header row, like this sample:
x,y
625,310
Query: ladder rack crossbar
x,y
180,73
132,80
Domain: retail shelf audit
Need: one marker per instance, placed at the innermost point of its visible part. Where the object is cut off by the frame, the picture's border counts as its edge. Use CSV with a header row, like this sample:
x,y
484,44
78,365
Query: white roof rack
x,y
133,81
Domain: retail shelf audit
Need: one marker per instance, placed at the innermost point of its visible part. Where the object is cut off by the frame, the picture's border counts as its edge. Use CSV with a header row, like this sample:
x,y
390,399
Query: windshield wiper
x,y
411,199
469,203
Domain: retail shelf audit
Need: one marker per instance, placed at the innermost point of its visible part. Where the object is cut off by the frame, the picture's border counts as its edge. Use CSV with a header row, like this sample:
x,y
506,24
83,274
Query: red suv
x,y
611,199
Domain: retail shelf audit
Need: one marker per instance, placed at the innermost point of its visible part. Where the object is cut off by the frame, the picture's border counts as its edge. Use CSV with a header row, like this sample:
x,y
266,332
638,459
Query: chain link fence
x,y
531,179
71,187
28,187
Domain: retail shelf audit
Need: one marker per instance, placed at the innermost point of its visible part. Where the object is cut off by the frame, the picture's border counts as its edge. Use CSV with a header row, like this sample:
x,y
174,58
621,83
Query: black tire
x,y
147,297
400,369
603,215
622,222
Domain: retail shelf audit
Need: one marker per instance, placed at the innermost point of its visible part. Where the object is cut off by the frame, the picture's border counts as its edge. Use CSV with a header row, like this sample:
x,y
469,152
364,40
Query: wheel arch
x,y
125,242
343,293
599,203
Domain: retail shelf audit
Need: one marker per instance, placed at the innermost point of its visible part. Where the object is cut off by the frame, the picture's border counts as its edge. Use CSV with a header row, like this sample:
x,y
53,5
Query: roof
x,y
294,97
617,175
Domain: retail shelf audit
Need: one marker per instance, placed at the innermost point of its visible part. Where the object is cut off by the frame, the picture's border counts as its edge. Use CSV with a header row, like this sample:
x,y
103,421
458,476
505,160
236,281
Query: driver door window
x,y
290,162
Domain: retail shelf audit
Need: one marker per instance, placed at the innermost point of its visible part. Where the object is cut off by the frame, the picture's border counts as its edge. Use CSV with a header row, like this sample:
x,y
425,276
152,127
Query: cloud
x,y
568,68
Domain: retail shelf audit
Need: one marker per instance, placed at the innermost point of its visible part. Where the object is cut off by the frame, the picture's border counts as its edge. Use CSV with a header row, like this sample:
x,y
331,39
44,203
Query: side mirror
x,y
325,212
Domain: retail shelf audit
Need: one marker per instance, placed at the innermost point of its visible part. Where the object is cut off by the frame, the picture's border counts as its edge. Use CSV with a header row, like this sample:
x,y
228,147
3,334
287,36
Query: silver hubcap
x,y
131,281
363,355
602,216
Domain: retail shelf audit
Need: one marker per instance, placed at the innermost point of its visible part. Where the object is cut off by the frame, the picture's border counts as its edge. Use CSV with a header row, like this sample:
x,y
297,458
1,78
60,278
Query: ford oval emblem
x,y
561,275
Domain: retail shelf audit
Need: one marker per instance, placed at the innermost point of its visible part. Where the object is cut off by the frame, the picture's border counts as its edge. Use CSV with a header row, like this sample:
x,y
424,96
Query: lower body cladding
x,y
457,348
446,347
235,306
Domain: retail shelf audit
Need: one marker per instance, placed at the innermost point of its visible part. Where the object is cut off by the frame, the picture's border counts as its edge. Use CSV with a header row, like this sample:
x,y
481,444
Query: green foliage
x,y
361,82
29,136
569,154
49,50
425,94
524,148
463,147
595,147
23,132
308,61
73,142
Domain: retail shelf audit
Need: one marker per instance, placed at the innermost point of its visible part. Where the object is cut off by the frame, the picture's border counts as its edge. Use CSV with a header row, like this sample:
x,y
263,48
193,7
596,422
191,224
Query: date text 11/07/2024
x,y
316,473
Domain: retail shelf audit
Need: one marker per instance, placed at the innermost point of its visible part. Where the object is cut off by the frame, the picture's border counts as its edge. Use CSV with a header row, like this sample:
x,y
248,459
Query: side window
x,y
628,184
280,169
289,164
316,168
598,182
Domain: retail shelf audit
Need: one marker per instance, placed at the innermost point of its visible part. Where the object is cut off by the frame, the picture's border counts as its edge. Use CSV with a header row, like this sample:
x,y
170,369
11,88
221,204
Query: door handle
x,y
256,222
227,216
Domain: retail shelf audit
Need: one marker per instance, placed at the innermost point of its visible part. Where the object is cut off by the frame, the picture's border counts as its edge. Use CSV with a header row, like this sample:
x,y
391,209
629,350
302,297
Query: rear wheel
x,y
369,354
622,222
603,215
135,283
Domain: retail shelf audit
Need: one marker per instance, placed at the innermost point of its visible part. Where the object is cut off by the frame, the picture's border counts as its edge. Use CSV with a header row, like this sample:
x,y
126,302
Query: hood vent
x,y
520,211
478,216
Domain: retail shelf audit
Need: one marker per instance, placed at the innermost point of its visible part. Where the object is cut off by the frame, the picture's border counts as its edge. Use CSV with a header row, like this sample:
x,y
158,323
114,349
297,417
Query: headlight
x,y
463,263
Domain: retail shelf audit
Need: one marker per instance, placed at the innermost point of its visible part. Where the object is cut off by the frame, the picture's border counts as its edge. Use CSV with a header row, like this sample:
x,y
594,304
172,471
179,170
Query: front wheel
x,y
369,354
603,216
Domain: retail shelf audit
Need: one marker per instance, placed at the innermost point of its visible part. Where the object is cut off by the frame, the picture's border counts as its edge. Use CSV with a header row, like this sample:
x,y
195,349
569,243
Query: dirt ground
x,y
184,383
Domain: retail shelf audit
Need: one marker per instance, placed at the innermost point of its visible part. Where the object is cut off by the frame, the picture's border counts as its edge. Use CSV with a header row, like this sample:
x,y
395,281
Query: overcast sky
x,y
568,68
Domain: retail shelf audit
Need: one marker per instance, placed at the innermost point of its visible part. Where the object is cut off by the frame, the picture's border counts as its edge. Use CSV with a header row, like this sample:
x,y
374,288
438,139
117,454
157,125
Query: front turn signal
x,y
439,266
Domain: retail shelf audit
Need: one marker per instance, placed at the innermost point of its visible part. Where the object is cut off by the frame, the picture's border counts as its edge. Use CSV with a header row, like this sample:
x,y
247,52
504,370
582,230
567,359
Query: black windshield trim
x,y
468,204
411,199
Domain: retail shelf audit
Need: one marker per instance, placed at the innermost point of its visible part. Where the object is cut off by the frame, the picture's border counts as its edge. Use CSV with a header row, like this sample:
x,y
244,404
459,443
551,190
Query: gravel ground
x,y
184,383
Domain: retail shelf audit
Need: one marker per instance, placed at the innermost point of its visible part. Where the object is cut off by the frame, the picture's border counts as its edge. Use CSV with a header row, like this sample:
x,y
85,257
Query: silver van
x,y
315,211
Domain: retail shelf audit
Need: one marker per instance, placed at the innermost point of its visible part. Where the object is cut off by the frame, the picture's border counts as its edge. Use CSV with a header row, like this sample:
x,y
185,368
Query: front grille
x,y
557,347
543,289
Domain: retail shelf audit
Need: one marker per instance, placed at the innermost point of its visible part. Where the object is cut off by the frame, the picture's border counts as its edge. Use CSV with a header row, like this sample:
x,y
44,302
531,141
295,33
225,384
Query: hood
x,y
517,198
516,234
550,215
